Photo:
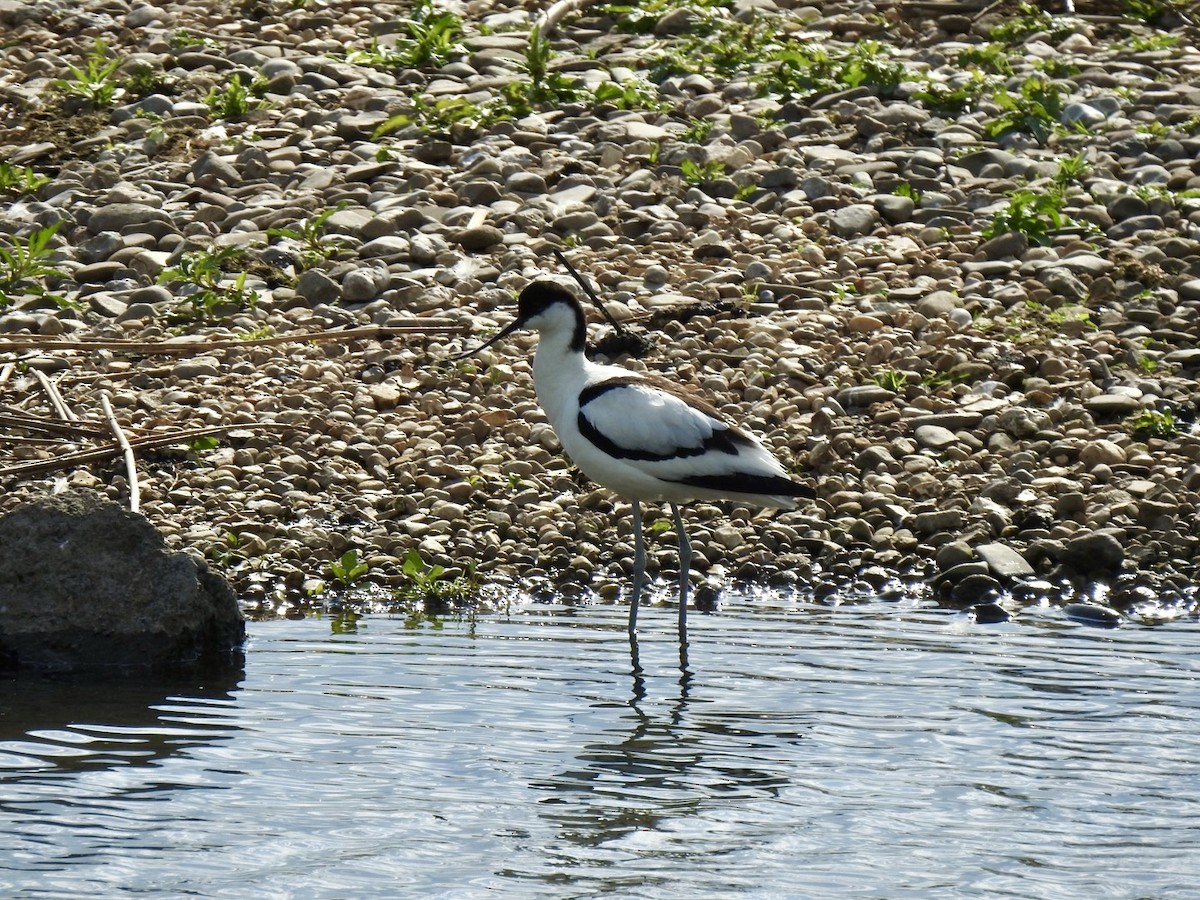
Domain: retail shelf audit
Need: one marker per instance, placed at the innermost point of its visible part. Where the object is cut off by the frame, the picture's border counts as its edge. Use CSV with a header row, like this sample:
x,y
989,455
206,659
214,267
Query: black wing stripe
x,y
720,441
726,440
739,483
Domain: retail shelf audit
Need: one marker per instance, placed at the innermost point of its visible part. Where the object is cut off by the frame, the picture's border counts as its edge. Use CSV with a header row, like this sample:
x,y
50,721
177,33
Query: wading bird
x,y
640,436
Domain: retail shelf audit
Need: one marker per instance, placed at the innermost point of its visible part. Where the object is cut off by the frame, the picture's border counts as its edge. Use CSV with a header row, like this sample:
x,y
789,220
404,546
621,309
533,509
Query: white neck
x,y
559,374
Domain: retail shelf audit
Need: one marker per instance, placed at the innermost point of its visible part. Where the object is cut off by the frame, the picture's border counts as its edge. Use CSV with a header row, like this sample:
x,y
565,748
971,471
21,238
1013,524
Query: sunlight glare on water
x,y
877,750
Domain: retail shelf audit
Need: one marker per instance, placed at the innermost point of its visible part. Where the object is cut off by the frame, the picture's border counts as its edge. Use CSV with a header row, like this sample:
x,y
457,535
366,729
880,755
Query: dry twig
x,y
135,491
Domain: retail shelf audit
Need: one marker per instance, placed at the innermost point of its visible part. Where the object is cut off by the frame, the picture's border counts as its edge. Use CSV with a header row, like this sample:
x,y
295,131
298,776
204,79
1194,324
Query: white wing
x,y
636,421
645,441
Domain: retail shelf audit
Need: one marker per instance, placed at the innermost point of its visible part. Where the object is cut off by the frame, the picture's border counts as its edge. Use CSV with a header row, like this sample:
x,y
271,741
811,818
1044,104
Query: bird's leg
x,y
639,566
685,564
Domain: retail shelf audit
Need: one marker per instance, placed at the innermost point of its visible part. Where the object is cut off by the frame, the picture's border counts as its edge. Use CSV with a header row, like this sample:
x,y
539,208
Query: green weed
x,y
1149,12
24,262
1152,423
1072,170
810,70
1160,40
698,131
95,83
315,245
701,173
636,93
990,58
953,100
347,570
236,100
432,583
20,180
432,38
1030,19
1033,110
436,117
892,380
1034,214
211,297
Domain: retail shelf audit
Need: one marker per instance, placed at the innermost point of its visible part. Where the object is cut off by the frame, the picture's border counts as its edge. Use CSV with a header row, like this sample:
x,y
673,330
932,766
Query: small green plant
x,y
891,380
545,85
95,83
810,70
1034,214
990,58
204,444
144,80
1152,423
348,569
1071,313
697,131
212,296
258,334
432,37
236,100
635,93
904,189
954,99
182,39
315,245
432,582
1072,170
20,180
24,262
701,173
1149,12
843,290
1030,19
1159,40
1147,365
435,117
1033,110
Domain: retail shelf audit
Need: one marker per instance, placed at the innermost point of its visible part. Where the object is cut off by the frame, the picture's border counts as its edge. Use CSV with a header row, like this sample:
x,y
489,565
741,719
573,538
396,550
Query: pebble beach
x,y
943,258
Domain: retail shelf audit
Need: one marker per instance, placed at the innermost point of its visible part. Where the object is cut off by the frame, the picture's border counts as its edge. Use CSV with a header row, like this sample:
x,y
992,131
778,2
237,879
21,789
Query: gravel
x,y
990,414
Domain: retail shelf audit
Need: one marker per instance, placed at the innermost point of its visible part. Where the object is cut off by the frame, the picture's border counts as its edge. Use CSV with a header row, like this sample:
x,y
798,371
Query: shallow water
x,y
876,750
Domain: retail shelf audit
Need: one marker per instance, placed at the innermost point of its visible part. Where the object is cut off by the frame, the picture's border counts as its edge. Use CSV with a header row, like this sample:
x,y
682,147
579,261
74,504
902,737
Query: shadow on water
x,y
63,726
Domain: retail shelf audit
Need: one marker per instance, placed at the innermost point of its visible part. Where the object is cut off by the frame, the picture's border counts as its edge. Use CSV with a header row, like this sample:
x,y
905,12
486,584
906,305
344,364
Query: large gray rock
x,y
88,587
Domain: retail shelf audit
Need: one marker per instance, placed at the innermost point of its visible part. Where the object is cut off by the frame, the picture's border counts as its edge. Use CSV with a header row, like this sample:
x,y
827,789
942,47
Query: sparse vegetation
x,y
892,380
25,264
432,38
236,100
20,180
433,583
1153,423
1034,214
1030,19
95,82
1033,110
348,569
210,294
810,70
315,245
701,173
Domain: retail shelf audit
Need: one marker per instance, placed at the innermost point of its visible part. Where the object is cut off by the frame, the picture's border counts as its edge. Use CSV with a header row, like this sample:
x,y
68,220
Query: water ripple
x,y
875,751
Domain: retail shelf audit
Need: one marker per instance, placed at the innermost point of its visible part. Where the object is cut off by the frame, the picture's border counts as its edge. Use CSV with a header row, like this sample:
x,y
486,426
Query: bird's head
x,y
547,308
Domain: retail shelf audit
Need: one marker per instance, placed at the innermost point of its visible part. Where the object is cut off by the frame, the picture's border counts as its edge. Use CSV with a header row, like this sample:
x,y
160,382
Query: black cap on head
x,y
536,298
